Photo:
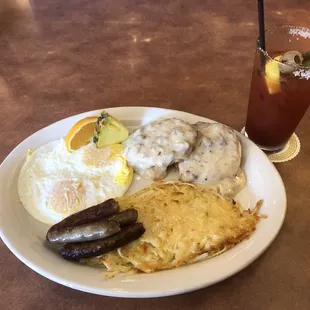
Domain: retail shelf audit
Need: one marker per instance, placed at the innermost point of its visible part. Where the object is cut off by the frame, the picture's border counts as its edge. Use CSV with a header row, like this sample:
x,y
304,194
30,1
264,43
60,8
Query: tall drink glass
x,y
280,88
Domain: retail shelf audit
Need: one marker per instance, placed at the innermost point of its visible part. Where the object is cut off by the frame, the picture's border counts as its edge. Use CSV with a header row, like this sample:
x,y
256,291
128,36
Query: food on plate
x,y
109,131
29,153
228,187
55,183
183,222
89,215
79,250
69,175
93,223
215,160
96,230
152,148
86,232
217,154
81,133
72,183
126,217
210,154
104,130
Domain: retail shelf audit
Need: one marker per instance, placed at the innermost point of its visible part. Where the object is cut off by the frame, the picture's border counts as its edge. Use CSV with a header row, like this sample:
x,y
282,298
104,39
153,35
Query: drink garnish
x,y
290,61
306,61
306,55
285,64
272,76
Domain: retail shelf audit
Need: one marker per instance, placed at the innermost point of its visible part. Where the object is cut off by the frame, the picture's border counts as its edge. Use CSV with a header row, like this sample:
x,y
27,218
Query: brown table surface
x,y
59,58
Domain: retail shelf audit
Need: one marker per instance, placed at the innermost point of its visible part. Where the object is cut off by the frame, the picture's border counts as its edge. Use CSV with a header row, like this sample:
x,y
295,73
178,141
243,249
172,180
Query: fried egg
x,y
54,183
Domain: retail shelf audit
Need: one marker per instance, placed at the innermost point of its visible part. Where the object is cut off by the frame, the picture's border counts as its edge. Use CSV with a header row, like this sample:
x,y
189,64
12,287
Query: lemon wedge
x,y
272,76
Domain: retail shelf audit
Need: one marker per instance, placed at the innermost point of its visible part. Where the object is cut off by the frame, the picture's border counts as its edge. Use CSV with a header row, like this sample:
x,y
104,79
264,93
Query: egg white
x,y
55,183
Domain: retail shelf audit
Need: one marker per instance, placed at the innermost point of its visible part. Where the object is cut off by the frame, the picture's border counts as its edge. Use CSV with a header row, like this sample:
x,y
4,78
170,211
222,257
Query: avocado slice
x,y
109,131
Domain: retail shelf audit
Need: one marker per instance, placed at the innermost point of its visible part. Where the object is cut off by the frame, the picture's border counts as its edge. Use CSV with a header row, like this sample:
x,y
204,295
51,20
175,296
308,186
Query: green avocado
x,y
109,131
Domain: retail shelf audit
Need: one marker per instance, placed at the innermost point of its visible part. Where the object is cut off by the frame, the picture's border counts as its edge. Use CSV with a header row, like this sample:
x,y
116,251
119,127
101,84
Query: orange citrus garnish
x,y
272,76
81,133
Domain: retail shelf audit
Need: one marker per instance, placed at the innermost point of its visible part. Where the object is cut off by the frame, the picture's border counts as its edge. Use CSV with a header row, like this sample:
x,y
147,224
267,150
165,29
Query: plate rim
x,y
60,280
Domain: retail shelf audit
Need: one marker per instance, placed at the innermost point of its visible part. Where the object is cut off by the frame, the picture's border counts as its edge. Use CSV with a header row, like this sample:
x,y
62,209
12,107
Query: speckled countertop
x,y
59,58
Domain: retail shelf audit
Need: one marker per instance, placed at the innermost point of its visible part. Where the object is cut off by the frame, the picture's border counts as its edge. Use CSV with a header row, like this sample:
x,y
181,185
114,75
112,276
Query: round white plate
x,y
25,236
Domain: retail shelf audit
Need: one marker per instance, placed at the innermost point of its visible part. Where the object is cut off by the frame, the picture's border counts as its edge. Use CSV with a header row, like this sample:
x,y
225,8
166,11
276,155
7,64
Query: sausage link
x,y
89,215
87,232
76,251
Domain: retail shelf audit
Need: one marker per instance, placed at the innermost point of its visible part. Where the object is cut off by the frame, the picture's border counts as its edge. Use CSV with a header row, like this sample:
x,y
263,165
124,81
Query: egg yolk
x,y
95,158
125,174
66,197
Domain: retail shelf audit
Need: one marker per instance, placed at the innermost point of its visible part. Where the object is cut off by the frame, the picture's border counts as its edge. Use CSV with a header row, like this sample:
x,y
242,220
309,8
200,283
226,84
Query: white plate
x,y
24,236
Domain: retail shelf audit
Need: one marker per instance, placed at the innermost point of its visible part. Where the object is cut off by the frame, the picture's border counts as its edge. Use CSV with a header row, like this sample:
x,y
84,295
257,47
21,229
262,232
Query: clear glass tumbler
x,y
280,88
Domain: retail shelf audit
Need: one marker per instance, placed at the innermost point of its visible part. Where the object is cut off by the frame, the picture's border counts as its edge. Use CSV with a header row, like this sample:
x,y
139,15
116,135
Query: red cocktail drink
x,y
280,88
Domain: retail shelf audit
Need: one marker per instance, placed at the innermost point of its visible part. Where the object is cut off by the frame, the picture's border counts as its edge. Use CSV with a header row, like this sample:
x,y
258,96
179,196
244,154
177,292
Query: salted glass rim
x,y
303,32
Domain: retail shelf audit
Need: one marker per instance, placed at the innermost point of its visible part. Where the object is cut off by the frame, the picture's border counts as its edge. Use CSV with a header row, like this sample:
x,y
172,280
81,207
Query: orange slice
x,y
81,133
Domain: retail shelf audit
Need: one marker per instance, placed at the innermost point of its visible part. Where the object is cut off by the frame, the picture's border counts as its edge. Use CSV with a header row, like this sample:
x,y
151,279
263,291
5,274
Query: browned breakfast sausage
x,y
89,215
93,230
87,232
126,217
76,251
